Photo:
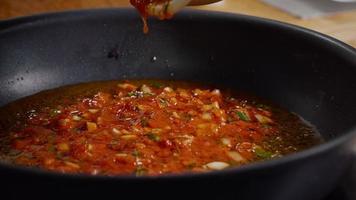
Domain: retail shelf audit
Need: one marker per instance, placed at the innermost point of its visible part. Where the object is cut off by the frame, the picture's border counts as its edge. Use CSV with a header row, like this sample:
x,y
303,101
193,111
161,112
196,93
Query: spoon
x,y
163,9
167,9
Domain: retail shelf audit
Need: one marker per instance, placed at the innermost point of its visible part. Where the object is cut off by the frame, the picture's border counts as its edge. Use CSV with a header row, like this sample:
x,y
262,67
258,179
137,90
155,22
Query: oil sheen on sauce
x,y
147,127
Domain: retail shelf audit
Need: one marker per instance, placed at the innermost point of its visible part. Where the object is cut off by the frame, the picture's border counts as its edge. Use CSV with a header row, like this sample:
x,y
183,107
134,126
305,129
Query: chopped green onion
x,y
243,116
262,153
132,94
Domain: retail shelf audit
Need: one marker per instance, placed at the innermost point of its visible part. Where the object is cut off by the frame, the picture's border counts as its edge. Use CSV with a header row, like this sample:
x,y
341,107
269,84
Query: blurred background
x,y
333,17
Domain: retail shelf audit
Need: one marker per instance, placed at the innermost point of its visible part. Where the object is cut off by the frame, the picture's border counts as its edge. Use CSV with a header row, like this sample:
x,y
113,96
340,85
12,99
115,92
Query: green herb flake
x,y
243,116
263,153
154,137
132,94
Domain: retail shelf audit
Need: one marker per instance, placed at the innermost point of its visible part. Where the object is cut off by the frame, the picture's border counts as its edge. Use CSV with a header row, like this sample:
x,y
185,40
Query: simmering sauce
x,y
146,127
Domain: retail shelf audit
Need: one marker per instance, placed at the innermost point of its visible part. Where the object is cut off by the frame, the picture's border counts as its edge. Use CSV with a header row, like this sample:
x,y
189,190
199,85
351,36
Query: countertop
x,y
341,26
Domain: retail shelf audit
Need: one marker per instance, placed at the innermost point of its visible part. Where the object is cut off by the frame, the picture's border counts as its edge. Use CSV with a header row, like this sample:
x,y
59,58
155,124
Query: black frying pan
x,y
306,72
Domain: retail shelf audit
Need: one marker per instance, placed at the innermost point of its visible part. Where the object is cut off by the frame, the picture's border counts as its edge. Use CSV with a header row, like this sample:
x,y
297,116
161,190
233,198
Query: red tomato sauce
x,y
146,128
142,7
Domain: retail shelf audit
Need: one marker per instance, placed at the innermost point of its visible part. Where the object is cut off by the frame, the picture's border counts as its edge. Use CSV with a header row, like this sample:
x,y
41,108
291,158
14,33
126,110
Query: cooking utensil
x,y
172,7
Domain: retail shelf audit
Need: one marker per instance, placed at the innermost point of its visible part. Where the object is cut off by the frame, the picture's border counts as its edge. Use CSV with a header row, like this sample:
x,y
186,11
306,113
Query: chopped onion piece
x,y
91,126
76,118
141,107
226,142
116,131
168,89
146,89
70,164
64,147
216,105
175,114
184,94
217,165
49,161
129,137
236,156
207,107
173,101
95,172
121,154
156,130
93,111
216,92
187,140
206,116
263,119
127,86
90,147
202,126
197,92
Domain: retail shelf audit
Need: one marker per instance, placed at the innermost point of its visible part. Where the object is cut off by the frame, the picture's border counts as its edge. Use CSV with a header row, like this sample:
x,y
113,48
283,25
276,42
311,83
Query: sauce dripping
x,y
143,8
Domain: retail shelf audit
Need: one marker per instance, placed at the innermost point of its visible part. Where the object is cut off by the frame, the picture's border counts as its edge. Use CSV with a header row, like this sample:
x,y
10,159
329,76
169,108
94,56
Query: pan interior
x,y
301,71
